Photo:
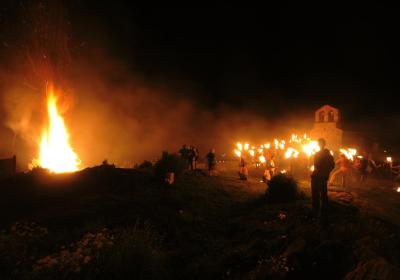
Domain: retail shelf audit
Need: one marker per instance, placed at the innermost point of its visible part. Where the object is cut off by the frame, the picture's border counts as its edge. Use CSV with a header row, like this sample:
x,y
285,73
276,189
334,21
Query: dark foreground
x,y
107,223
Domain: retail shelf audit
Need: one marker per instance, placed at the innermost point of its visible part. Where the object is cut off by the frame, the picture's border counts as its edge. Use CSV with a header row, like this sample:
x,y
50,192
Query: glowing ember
x,y
398,189
56,154
389,159
283,171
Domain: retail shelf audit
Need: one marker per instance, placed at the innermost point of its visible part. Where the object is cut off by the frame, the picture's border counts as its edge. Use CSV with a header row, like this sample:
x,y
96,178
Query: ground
x,y
106,222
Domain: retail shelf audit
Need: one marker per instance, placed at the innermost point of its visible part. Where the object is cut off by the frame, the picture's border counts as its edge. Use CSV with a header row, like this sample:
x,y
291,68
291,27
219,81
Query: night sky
x,y
273,60
304,55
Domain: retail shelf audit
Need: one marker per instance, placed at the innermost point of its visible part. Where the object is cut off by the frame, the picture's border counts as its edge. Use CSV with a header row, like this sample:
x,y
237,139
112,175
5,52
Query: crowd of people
x,y
325,171
190,155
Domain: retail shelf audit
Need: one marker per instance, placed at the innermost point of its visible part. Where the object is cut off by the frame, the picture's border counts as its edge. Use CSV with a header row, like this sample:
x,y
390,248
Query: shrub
x,y
145,165
282,188
169,163
137,253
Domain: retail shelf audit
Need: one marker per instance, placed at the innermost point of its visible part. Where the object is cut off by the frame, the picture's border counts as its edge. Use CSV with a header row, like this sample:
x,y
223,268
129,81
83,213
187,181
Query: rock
x,y
375,269
295,247
169,178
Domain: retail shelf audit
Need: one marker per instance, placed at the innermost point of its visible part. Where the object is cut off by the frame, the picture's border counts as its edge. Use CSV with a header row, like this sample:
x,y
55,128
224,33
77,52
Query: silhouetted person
x,y
211,162
243,171
191,156
323,165
195,158
184,152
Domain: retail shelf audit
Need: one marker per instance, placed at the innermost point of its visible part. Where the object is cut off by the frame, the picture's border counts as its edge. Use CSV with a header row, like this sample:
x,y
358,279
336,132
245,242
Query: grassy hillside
x,y
104,223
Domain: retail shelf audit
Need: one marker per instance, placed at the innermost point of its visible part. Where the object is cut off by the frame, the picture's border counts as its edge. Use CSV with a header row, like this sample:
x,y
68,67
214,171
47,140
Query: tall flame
x,y
56,153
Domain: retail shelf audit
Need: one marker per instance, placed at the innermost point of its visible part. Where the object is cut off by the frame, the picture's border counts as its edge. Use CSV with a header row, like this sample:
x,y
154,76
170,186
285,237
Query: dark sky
x,y
270,59
306,55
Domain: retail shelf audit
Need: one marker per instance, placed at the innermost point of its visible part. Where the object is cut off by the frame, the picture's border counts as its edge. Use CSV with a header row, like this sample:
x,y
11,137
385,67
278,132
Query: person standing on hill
x,y
323,165
344,168
191,156
195,158
184,153
243,172
211,162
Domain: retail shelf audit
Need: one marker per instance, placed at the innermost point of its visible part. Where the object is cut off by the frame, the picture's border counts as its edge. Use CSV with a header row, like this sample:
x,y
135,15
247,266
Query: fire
x,y
389,159
311,148
262,159
291,153
56,153
238,153
349,153
398,189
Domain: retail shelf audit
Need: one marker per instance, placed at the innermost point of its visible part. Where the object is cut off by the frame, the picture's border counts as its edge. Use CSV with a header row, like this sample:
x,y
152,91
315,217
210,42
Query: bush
x,y
169,163
282,188
137,253
145,165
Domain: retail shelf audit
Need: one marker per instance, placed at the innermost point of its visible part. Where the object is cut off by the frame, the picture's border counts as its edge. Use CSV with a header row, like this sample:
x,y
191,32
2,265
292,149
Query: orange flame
x,y
56,153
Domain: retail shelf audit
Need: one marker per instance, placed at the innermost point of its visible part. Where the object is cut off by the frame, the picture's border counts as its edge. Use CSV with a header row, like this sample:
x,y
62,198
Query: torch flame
x,y
349,153
291,153
238,153
56,153
311,148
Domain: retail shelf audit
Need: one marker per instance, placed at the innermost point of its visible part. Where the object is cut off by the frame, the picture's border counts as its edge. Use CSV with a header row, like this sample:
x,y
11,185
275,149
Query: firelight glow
x,y
56,153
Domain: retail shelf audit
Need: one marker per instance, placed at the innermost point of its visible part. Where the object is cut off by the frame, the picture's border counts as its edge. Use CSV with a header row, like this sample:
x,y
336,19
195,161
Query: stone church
x,y
327,126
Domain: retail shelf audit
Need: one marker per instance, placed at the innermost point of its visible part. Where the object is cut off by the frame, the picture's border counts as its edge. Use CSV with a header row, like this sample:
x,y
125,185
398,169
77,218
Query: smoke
x,y
112,112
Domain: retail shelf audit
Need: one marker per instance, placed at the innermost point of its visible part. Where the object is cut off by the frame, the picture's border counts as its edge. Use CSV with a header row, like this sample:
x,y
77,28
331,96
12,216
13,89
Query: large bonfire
x,y
56,153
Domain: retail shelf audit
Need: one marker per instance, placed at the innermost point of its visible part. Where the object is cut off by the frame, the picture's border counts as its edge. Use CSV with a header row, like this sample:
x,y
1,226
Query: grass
x,y
200,228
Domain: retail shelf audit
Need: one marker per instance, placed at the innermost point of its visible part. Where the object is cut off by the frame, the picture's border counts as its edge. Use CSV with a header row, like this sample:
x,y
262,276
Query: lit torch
x,y
238,153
